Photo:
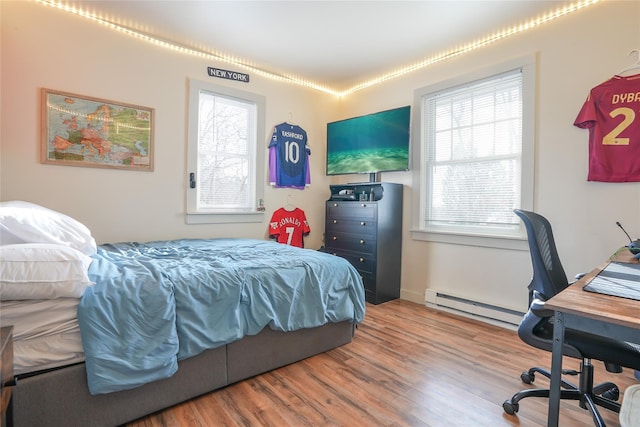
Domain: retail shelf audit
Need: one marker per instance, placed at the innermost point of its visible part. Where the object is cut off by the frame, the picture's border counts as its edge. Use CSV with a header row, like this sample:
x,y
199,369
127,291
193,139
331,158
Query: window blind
x,y
224,153
473,153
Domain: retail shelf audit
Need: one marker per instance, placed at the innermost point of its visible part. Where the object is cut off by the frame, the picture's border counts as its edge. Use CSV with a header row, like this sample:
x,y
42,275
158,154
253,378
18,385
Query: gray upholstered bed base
x,y
61,398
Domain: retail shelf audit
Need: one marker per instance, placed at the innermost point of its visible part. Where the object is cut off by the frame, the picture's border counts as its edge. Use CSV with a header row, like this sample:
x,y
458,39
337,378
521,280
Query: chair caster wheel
x,y
612,394
527,377
510,408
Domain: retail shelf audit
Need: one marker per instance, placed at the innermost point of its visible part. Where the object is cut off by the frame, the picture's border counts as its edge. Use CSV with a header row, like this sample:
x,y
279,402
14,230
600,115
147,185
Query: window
x,y
475,156
225,160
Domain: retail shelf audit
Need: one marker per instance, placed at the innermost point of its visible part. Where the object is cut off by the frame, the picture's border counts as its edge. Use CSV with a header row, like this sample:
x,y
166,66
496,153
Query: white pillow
x,y
42,271
24,222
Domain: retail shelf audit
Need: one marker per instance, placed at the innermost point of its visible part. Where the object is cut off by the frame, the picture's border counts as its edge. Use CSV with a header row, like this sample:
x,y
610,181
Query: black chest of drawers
x,y
368,233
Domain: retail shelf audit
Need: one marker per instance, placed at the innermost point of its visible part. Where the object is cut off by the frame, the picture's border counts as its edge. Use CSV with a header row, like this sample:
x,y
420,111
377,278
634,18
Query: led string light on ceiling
x,y
469,47
536,22
187,50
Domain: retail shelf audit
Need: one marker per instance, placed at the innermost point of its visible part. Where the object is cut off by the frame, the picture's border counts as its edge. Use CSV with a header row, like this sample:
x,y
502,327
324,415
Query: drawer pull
x,y
335,221
361,259
364,205
334,238
362,223
362,242
335,205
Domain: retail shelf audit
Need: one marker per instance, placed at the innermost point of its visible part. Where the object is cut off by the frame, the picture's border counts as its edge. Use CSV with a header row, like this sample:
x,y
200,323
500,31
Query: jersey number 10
x,y
292,152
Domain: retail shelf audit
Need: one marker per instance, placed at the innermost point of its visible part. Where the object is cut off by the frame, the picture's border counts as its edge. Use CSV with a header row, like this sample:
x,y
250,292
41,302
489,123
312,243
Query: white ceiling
x,y
333,43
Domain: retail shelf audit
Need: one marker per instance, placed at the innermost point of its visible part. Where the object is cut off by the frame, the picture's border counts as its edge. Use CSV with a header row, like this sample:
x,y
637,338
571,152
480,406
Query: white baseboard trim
x,y
488,313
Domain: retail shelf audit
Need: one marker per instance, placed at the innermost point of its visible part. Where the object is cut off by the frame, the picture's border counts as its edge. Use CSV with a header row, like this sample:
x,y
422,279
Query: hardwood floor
x,y
408,365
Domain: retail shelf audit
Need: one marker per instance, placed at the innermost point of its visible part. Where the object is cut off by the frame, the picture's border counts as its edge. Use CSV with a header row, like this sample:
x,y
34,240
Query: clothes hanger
x,y
289,206
290,120
634,66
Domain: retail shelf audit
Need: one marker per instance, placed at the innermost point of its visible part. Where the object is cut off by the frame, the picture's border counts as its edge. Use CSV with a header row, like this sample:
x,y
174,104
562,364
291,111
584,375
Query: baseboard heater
x,y
483,311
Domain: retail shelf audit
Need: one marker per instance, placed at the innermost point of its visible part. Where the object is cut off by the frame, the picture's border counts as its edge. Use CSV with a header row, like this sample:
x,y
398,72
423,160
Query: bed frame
x,y
61,397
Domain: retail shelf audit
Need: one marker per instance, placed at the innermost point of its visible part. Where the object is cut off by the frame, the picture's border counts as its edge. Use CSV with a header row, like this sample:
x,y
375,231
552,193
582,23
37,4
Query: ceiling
x,y
337,44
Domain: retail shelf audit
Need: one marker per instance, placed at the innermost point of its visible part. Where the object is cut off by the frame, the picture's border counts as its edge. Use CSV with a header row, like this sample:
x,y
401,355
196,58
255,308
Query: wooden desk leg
x,y
556,370
9,419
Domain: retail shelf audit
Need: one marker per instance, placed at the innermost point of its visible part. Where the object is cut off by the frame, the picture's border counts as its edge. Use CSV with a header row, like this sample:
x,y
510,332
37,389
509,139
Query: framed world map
x,y
84,131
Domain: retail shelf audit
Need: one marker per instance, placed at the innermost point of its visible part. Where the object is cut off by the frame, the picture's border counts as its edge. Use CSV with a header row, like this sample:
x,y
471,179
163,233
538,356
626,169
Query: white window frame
x,y
195,215
509,239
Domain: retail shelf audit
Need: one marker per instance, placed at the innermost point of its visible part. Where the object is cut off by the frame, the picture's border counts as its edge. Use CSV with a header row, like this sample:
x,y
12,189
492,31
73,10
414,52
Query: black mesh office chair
x,y
536,329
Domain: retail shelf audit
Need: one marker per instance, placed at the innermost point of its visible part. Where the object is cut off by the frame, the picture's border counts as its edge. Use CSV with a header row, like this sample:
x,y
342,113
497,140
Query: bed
x,y
107,334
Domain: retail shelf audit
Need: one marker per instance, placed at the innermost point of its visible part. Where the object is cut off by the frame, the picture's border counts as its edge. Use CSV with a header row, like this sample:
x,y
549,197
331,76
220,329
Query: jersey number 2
x,y
612,137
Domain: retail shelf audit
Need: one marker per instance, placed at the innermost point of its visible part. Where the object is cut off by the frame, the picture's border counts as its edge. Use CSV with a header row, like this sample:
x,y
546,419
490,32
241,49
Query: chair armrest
x,y
537,306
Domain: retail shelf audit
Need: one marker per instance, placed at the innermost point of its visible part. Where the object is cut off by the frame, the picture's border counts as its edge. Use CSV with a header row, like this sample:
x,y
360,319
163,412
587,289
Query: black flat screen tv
x,y
377,142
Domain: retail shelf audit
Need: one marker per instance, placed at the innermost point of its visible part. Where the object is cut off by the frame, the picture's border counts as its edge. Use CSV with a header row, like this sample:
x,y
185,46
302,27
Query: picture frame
x,y
79,130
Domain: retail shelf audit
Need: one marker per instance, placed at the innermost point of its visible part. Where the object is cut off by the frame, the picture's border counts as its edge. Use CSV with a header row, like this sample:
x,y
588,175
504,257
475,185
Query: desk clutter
x,y
617,279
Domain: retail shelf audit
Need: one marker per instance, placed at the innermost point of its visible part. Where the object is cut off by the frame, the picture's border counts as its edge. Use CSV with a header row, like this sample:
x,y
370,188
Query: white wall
x,y
43,47
575,53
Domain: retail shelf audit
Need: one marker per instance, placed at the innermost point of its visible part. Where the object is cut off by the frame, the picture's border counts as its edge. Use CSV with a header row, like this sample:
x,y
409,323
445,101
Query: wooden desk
x,y
575,308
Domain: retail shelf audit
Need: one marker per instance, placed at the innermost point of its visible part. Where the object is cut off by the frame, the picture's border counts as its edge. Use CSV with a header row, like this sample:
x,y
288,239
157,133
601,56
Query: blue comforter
x,y
159,302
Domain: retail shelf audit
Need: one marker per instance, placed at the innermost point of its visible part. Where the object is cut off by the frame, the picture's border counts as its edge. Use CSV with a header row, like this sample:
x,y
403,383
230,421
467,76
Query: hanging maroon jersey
x,y
612,115
289,227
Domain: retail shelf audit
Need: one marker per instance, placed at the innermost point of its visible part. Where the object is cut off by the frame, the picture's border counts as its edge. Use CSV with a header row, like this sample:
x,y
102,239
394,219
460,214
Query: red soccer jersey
x,y
289,226
612,115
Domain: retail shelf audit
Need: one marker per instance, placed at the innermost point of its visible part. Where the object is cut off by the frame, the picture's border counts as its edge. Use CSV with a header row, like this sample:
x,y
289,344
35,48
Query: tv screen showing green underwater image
x,y
377,142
